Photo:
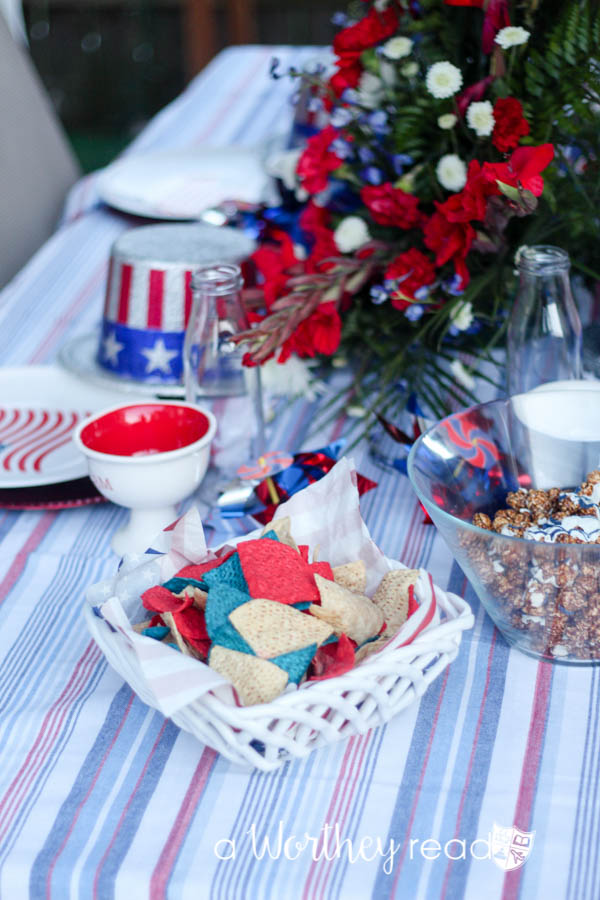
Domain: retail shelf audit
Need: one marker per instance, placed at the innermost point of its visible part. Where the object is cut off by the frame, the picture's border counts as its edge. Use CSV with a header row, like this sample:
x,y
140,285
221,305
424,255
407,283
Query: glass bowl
x,y
543,597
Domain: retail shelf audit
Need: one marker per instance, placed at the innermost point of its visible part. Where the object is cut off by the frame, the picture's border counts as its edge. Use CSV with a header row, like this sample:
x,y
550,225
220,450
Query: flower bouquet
x,y
452,132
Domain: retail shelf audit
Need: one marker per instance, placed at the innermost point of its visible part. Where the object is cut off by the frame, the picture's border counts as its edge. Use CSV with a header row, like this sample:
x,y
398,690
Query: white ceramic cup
x,y
147,457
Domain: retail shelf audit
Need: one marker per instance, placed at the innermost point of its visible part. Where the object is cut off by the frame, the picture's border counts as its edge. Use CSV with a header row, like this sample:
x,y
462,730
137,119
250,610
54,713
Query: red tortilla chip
x,y
323,569
412,603
274,571
332,659
197,571
159,599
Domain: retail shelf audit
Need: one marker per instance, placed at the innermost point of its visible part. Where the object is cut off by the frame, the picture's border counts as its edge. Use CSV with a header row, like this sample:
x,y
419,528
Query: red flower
x,y
350,43
319,333
510,124
470,204
345,77
496,17
274,262
449,241
412,270
523,168
314,221
373,28
318,161
391,206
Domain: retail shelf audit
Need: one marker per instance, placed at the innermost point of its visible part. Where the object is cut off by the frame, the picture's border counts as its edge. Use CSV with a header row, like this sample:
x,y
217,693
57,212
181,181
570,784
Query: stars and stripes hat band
x,y
148,297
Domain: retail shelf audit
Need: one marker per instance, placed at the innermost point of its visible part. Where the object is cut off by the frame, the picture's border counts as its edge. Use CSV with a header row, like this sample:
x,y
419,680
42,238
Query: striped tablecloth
x,y
102,797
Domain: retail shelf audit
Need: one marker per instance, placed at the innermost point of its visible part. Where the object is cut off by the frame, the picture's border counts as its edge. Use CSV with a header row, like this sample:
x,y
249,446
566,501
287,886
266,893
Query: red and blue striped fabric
x,y
101,797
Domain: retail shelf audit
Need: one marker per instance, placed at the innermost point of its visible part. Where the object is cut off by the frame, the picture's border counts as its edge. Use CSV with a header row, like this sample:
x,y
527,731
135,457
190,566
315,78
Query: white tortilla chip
x,y
272,628
255,680
348,613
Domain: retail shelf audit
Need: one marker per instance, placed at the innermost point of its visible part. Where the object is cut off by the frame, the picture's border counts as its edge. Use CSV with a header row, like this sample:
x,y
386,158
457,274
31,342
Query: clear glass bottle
x,y
544,341
212,364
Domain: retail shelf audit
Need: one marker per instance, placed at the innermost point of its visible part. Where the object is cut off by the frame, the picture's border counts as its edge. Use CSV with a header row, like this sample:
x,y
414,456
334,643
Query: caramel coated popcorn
x,y
551,595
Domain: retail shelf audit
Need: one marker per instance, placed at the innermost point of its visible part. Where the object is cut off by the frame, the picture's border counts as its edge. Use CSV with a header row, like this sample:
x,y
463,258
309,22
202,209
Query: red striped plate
x,y
39,408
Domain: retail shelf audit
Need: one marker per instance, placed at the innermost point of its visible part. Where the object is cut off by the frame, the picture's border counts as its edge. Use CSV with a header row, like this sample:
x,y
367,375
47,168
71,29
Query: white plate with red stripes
x,y
39,408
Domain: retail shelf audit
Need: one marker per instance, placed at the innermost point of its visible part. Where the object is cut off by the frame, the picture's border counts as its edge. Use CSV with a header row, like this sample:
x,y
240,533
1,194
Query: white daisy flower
x,y
351,233
512,36
443,80
480,117
410,69
461,315
397,47
293,378
447,121
462,376
370,90
451,172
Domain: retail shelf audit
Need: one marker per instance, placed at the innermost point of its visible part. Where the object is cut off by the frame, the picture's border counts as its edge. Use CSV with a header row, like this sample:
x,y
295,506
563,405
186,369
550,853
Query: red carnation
x,y
449,241
373,28
510,124
319,333
470,204
318,161
345,77
523,168
275,263
412,270
391,206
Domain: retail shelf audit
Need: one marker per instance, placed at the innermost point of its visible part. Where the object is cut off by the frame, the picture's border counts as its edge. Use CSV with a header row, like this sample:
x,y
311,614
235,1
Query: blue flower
x,y
400,161
340,117
379,294
340,19
366,155
378,122
452,287
372,175
342,148
414,312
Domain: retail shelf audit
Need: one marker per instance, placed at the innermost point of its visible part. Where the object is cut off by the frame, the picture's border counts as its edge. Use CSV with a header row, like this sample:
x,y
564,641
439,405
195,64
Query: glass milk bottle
x,y
213,368
544,330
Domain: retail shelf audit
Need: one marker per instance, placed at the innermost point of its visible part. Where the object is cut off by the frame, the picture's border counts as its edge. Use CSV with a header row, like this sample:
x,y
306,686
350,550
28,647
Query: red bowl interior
x,y
145,428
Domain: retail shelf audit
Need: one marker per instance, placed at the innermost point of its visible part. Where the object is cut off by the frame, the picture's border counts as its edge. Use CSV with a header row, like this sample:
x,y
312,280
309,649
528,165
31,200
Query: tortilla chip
x,y
392,597
276,572
296,663
352,575
348,613
255,680
273,629
281,527
370,648
333,659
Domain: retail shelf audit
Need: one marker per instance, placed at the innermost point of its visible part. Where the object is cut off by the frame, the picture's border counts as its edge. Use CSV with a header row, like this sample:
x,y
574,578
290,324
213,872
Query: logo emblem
x,y
511,847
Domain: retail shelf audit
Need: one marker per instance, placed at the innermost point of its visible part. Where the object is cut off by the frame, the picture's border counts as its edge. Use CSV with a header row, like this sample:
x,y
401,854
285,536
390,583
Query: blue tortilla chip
x,y
176,585
221,600
227,636
295,663
158,632
228,573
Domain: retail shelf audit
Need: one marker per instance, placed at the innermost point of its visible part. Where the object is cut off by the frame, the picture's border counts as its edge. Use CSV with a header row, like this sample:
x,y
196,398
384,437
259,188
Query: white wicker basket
x,y
319,712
